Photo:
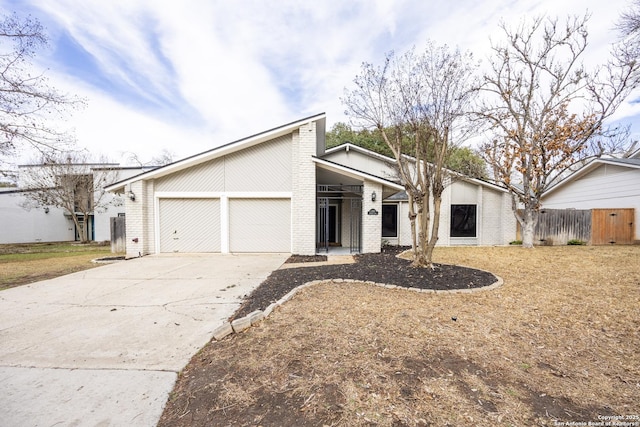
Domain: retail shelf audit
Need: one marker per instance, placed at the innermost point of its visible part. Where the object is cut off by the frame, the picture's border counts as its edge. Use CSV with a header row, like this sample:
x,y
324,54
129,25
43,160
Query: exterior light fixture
x,y
46,210
373,196
132,196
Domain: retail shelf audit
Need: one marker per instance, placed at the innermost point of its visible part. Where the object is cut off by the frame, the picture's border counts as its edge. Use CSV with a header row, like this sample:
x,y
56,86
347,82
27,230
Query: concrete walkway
x,y
103,347
331,260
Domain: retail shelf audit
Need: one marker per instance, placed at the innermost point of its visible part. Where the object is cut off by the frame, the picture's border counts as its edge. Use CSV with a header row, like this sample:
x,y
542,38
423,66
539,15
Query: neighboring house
x,y
22,223
607,184
279,191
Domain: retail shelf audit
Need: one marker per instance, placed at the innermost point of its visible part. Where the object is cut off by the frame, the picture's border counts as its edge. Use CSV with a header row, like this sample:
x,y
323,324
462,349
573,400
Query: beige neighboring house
x,y
281,191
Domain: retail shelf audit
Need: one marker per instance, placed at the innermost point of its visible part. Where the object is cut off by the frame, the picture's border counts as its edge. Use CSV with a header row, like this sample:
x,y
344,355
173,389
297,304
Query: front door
x,y
334,225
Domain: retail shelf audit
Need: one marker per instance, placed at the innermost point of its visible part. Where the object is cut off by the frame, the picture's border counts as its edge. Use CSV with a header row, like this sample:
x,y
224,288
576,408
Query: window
x,y
463,220
389,220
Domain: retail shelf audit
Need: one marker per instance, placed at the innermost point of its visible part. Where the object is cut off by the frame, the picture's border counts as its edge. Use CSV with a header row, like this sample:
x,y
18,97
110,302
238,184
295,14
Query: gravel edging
x,y
243,323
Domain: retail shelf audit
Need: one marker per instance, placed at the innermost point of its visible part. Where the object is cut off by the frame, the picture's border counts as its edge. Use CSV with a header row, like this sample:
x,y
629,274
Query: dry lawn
x,y
559,342
27,263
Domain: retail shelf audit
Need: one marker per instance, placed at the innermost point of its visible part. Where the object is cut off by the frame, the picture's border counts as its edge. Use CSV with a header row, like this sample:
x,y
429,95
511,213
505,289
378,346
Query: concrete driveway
x,y
103,347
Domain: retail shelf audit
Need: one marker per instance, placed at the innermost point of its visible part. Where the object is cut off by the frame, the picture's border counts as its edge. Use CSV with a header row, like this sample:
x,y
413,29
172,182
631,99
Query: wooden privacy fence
x,y
612,226
118,234
593,226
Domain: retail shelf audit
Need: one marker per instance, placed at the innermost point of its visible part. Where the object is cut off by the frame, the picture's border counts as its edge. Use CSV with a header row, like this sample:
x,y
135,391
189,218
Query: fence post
x,y
118,234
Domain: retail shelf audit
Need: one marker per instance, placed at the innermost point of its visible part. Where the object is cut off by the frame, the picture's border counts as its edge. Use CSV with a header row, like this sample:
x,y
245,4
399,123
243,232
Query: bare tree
x,y
163,158
27,101
70,182
545,112
629,26
419,104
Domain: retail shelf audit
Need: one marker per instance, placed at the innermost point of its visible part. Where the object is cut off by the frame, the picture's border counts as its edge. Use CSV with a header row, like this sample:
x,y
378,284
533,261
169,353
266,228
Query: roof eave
x,y
348,146
354,173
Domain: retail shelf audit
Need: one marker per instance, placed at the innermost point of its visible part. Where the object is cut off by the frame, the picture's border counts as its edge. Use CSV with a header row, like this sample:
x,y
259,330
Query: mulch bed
x,y
384,267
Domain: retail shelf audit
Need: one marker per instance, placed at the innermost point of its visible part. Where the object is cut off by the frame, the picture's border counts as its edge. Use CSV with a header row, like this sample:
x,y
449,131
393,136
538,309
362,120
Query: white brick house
x,y
279,191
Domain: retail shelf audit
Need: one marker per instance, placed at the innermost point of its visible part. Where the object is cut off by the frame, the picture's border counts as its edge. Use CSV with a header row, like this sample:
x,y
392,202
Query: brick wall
x,y
371,224
303,201
135,219
149,216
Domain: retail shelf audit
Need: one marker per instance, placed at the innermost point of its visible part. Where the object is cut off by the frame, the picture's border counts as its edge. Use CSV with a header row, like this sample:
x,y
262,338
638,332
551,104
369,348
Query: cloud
x,y
200,73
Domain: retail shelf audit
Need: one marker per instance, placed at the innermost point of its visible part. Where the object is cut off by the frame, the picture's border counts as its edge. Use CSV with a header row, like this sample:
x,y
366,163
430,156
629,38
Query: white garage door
x,y
189,225
260,225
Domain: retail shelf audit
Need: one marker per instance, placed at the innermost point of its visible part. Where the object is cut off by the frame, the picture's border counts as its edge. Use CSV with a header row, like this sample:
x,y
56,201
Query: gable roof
x,y
355,173
594,164
214,153
347,146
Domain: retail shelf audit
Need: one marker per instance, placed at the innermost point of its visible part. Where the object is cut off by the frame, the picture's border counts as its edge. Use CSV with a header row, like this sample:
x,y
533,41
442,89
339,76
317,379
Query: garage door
x,y
260,225
189,225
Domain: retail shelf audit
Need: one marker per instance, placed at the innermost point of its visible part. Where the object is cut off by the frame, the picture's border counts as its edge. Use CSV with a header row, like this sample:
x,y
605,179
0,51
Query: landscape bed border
x,y
241,324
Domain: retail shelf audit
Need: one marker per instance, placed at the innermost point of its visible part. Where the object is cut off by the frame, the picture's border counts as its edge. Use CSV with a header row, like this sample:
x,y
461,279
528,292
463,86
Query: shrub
x,y
516,242
576,242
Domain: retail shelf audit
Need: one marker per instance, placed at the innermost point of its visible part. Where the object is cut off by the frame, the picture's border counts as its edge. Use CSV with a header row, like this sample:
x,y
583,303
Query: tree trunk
x,y
420,260
80,228
528,226
412,220
433,239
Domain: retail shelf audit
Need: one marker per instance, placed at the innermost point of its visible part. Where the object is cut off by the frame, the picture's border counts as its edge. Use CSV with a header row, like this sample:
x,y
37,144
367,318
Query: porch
x,y
349,209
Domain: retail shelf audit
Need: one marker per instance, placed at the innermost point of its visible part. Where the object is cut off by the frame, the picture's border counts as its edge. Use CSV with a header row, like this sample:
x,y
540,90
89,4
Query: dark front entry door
x,y
333,225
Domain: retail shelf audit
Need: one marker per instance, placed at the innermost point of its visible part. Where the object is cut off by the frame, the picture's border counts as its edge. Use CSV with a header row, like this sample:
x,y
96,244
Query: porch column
x,y
371,217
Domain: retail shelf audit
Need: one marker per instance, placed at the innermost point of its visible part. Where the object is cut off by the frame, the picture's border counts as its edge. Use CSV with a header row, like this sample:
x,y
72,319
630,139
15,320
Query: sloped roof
x,y
348,146
595,163
337,167
216,152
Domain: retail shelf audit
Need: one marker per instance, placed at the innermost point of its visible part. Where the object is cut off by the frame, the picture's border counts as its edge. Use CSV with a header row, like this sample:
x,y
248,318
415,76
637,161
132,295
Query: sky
x,y
187,76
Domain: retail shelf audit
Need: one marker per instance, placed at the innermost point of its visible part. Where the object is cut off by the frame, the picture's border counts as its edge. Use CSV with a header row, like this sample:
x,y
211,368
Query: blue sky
x,y
191,75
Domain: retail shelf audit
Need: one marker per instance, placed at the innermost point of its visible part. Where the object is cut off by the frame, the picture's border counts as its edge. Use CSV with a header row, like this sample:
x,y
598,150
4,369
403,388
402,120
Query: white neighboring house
x,y
281,191
604,183
52,224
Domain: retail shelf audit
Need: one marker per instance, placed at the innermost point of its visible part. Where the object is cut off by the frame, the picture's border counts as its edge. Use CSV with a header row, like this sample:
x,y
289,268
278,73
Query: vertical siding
x,y
260,225
189,225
